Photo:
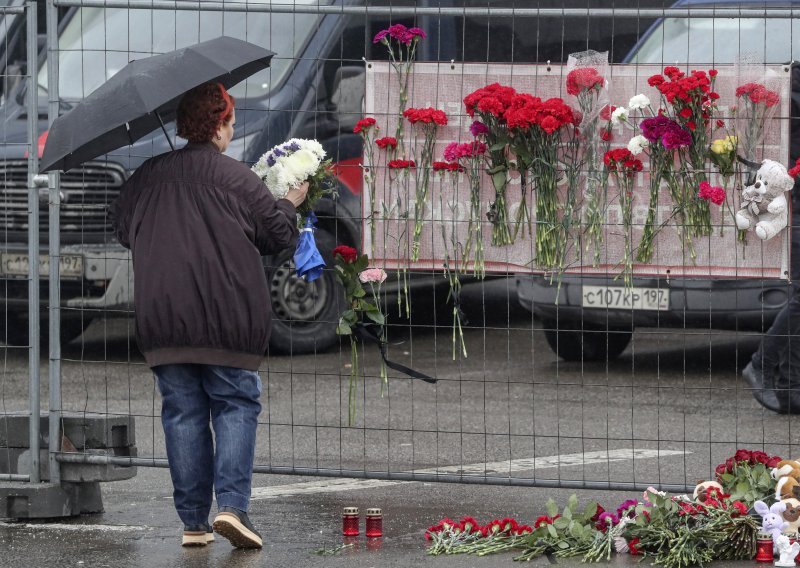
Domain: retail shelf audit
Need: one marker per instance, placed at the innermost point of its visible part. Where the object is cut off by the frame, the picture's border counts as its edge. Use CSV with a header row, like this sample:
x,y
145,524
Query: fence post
x,y
54,232
33,239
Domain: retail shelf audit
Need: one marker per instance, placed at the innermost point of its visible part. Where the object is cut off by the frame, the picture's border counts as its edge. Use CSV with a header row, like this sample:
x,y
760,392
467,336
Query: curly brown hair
x,y
202,111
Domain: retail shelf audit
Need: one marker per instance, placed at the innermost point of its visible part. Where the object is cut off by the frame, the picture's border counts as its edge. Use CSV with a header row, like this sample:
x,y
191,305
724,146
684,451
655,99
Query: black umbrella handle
x,y
161,122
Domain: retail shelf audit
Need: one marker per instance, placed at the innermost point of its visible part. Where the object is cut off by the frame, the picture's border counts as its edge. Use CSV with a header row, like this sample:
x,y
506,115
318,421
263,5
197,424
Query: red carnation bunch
x,y
584,79
347,254
401,164
447,167
426,115
623,161
795,170
364,125
527,111
758,94
466,150
491,100
386,142
714,194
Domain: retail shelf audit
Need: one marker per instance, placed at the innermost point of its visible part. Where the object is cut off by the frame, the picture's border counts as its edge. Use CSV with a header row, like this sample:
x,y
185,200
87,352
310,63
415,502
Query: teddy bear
x,y
763,207
791,515
785,468
703,488
787,487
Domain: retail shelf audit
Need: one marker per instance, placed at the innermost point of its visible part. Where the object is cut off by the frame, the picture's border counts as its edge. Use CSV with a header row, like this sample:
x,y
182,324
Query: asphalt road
x,y
667,411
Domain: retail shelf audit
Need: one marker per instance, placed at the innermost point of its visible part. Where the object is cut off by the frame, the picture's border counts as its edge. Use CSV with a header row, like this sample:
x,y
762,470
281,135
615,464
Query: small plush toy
x,y
773,523
703,488
791,515
764,208
784,468
787,487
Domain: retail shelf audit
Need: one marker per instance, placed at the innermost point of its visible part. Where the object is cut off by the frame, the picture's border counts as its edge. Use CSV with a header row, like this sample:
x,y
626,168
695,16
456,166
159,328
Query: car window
x,y
717,41
98,42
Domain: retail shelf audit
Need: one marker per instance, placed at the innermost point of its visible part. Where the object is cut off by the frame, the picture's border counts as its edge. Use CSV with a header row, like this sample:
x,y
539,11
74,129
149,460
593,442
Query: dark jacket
x,y
197,223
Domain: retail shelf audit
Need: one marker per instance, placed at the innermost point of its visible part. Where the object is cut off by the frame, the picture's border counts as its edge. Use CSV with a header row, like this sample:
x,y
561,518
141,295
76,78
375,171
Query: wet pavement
x,y
667,411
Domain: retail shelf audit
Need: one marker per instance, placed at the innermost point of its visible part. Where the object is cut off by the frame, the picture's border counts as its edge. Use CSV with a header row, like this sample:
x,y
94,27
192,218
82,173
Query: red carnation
x,y
386,142
632,549
606,136
401,164
348,254
794,171
605,113
364,125
584,79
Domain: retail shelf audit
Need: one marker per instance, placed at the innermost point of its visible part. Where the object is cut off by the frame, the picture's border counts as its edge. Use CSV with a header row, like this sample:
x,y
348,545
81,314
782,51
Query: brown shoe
x,y
237,528
197,536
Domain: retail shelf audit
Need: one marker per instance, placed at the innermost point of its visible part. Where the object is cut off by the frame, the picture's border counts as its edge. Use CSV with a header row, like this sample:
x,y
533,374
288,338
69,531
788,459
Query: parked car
x,y
586,319
314,89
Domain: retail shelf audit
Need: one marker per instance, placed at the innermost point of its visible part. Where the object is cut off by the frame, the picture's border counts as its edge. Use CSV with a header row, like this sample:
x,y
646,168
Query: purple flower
x,y
270,161
623,509
294,146
654,128
417,32
380,36
607,518
451,152
477,128
676,138
278,153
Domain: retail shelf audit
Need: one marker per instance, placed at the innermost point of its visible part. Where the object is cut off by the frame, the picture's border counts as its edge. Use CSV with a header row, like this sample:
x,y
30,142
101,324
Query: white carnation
x,y
638,102
619,115
637,144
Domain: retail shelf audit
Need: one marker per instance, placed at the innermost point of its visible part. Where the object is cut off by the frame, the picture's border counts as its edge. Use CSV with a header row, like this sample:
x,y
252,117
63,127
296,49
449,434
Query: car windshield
x,y
98,42
720,40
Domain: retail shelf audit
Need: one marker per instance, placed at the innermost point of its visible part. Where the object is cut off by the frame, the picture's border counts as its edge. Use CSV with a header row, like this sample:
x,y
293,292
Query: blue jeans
x,y
191,394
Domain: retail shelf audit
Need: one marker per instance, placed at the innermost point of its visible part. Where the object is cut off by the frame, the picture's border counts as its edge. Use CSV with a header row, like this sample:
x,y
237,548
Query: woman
x,y
197,223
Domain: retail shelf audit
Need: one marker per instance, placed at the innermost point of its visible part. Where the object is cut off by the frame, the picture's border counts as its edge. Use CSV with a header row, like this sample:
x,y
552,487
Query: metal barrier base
x,y
49,500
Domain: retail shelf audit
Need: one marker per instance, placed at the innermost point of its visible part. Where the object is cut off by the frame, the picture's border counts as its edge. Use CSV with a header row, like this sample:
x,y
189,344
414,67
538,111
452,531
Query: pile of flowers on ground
x,y
675,531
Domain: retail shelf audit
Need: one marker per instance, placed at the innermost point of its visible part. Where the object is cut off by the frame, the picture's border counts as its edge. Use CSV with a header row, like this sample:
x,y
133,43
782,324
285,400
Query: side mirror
x,y
348,96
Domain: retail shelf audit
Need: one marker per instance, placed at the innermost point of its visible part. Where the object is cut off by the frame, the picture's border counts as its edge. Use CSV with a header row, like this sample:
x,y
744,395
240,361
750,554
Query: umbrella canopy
x,y
135,101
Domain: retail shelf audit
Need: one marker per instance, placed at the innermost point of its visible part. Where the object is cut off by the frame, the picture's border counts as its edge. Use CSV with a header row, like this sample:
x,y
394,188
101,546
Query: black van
x,y
314,89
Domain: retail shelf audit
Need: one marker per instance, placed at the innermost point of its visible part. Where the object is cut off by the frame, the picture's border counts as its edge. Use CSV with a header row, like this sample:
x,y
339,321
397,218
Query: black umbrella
x,y
142,96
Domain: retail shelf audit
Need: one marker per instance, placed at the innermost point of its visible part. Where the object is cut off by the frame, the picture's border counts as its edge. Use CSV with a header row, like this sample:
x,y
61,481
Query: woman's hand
x,y
297,194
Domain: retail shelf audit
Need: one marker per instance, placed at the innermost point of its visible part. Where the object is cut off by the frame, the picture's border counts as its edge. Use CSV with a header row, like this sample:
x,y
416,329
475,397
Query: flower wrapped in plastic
x,y
288,165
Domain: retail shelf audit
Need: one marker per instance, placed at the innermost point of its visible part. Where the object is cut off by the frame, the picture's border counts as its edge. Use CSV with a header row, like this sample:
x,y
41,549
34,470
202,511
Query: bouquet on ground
x,y
362,316
288,165
746,475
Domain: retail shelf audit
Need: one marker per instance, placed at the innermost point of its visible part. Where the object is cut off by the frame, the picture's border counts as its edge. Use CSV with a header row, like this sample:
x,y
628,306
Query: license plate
x,y
621,298
71,265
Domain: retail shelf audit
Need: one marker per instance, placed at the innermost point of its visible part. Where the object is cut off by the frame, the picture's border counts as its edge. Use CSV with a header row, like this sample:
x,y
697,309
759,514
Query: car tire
x,y
587,344
304,314
14,330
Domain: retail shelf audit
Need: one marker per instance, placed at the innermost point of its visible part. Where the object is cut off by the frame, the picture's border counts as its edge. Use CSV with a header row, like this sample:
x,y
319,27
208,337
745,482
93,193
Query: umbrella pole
x,y
161,122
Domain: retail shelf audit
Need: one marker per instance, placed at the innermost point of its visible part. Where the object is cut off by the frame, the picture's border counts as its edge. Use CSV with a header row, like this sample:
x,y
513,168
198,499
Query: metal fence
x,y
633,398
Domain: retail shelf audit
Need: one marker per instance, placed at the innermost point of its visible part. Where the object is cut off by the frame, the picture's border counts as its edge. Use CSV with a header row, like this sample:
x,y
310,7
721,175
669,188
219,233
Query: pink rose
x,y
372,275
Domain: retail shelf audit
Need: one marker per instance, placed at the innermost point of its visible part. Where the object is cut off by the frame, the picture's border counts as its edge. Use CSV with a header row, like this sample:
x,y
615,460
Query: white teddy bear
x,y
764,207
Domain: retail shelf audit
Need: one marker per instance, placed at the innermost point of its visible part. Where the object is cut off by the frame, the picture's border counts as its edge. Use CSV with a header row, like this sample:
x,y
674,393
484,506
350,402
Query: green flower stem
x,y
475,227
423,180
498,212
352,399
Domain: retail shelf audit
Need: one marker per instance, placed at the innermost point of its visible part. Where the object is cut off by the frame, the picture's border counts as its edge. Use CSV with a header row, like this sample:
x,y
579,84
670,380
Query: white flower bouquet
x,y
290,164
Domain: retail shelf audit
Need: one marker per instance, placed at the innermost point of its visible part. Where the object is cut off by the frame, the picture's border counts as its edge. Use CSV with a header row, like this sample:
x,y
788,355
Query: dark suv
x,y
314,89
576,330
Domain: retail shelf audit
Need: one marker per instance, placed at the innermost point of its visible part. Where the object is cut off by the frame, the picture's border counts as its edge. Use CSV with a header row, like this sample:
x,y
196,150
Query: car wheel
x,y
304,314
14,330
587,344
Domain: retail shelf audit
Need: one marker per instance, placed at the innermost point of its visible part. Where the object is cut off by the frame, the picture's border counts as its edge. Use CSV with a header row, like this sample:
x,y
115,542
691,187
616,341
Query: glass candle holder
x,y
350,521
374,523
764,549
